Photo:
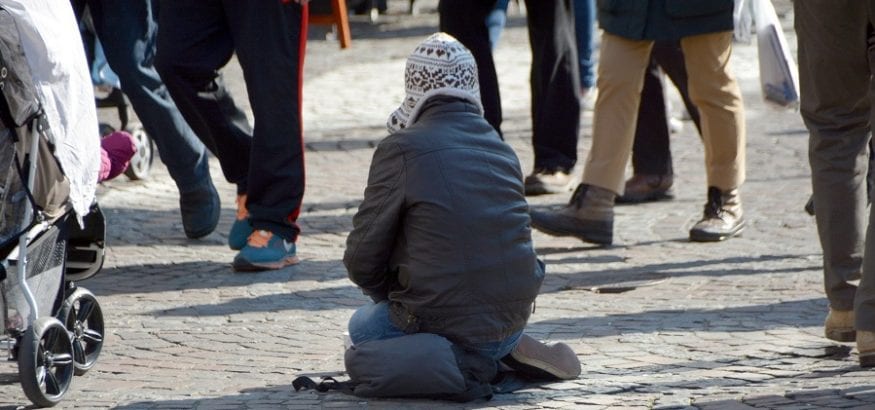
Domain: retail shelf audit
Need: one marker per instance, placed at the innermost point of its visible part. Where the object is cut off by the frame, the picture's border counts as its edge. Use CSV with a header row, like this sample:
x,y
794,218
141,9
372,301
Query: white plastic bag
x,y
778,72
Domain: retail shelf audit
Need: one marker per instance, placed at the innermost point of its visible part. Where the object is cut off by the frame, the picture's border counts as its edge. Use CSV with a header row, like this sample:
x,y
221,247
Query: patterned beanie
x,y
440,65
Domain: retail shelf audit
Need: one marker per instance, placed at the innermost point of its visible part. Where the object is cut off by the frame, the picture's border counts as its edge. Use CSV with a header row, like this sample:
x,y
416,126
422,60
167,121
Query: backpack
x,y
420,365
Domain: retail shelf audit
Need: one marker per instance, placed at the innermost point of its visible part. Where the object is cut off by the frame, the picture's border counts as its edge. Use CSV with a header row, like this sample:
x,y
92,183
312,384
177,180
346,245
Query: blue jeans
x,y
496,20
371,322
128,30
584,29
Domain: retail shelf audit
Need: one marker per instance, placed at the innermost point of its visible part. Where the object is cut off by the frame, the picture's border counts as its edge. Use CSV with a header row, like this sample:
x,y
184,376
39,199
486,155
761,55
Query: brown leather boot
x,y
866,348
646,188
722,217
589,216
839,325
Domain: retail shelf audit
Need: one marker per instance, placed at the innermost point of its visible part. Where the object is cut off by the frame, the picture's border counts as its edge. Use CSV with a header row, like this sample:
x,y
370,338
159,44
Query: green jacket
x,y
664,19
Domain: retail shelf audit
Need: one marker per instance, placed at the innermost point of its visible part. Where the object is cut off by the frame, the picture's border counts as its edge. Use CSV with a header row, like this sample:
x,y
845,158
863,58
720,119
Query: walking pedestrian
x,y
630,28
836,56
195,40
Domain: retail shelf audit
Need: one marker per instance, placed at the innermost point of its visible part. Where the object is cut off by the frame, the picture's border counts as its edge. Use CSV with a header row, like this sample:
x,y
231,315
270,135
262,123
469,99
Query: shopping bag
x,y
778,72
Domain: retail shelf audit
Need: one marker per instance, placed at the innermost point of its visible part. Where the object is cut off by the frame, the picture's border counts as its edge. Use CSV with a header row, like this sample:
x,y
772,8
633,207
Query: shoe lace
x,y
714,206
578,194
259,238
242,212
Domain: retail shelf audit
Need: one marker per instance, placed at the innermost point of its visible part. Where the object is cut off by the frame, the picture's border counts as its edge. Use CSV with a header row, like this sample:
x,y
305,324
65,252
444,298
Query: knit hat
x,y
440,65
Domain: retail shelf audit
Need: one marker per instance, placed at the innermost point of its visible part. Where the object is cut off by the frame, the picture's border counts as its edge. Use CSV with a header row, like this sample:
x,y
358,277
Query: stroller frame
x,y
50,326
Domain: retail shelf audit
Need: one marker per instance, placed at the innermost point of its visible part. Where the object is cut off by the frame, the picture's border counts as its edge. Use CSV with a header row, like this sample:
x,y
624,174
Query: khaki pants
x,y
712,88
835,64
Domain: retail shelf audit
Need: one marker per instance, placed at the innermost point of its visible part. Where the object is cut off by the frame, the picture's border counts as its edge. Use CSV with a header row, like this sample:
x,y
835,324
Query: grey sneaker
x,y
543,181
589,216
542,361
722,218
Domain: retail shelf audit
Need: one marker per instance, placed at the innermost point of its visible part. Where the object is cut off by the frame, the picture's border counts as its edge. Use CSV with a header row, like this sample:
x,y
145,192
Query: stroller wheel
x,y
82,316
141,163
45,362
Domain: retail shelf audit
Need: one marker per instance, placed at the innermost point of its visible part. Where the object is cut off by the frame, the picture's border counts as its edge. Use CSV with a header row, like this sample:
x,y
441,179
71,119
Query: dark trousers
x,y
836,63
128,32
466,21
555,81
651,153
196,39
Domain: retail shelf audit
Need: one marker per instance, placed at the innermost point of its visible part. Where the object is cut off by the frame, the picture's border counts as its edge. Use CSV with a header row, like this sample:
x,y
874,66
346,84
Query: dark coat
x,y
444,231
664,19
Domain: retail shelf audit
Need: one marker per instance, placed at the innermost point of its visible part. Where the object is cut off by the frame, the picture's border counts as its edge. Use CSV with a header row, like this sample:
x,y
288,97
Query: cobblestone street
x,y
657,321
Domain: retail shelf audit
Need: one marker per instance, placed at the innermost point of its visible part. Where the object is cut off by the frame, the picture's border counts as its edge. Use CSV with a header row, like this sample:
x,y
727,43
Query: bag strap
x,y
326,384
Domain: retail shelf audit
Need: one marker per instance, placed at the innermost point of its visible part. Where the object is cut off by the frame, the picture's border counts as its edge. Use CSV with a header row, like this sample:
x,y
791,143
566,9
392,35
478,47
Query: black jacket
x,y
664,19
444,232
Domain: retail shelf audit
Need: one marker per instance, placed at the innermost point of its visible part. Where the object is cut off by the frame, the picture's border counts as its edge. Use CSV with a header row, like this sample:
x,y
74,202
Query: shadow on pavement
x,y
154,278
308,300
641,275
793,314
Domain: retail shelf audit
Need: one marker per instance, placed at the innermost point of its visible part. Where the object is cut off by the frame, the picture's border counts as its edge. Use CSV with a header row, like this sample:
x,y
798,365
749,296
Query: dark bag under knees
x,y
420,365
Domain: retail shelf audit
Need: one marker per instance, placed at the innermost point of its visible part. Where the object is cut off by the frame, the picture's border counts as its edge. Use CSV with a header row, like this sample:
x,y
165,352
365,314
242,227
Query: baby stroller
x,y
52,327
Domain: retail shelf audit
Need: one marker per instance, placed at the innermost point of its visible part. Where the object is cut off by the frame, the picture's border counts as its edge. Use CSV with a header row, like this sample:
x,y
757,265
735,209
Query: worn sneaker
x,y
241,228
264,251
839,325
543,181
200,209
542,361
722,218
866,347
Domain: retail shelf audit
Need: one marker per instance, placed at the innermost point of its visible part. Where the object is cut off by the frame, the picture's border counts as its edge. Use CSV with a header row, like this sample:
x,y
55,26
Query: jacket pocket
x,y
696,8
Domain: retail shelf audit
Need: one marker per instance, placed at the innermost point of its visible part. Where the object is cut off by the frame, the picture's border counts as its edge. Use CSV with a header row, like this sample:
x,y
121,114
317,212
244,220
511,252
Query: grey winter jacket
x,y
444,232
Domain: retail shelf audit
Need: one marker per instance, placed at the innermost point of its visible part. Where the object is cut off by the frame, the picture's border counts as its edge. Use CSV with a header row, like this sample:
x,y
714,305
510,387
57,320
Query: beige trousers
x,y
712,88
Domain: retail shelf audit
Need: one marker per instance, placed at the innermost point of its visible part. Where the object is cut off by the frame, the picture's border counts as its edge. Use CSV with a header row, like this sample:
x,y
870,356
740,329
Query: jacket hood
x,y
440,65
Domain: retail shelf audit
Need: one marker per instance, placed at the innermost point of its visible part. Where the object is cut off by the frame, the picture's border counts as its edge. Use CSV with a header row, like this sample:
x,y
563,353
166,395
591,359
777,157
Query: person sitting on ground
x,y
441,241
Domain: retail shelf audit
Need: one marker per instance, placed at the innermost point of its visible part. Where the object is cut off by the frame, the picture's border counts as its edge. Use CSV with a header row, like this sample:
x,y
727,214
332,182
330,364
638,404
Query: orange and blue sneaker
x,y
264,251
241,228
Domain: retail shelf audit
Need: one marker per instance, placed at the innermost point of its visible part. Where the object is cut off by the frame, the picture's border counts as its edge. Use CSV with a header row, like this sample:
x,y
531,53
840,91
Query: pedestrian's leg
x,y
589,215
715,92
651,153
555,82
466,21
128,32
193,44
584,30
274,32
835,105
670,57
622,63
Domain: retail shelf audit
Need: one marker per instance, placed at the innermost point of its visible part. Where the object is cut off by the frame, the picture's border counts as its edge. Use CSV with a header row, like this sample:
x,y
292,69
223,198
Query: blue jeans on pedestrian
x,y
584,29
371,322
128,30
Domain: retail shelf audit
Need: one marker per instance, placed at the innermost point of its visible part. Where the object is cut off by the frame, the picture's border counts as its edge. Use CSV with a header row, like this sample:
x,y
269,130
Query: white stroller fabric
x,y
53,48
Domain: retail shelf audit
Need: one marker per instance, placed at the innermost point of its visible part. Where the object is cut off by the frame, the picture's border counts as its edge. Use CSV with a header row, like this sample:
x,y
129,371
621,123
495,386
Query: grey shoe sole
x,y
697,235
841,334
867,359
651,197
598,232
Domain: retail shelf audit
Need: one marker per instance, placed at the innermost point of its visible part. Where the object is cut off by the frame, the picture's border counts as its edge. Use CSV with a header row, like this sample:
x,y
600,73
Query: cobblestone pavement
x,y
657,321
